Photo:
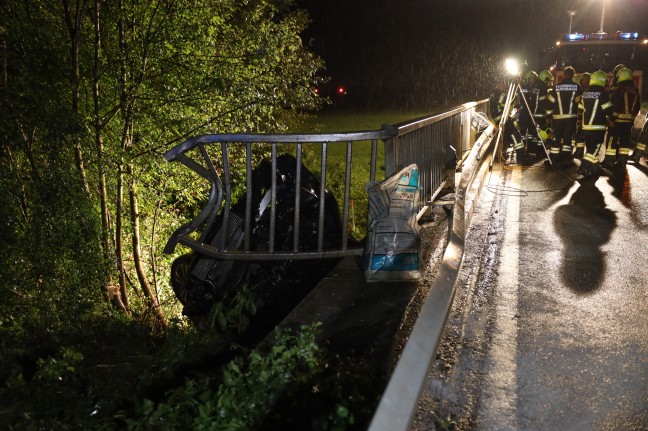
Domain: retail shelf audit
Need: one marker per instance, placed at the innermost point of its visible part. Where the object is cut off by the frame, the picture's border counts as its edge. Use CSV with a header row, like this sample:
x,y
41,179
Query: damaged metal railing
x,y
432,142
221,193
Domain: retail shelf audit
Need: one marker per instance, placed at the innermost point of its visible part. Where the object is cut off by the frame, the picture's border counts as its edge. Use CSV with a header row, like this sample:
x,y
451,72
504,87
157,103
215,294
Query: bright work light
x,y
511,66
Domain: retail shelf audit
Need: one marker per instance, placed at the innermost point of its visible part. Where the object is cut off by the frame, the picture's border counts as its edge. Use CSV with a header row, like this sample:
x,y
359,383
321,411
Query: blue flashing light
x,y
574,36
629,36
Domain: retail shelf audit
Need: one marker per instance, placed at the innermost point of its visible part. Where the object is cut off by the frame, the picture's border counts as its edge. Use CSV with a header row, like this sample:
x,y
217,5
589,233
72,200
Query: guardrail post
x,y
391,148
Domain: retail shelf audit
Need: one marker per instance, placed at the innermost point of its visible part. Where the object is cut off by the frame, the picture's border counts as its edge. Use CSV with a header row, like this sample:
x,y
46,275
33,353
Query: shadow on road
x,y
584,225
620,183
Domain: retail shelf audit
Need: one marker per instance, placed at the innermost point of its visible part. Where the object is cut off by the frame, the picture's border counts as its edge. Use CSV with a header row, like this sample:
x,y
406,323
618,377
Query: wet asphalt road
x,y
550,330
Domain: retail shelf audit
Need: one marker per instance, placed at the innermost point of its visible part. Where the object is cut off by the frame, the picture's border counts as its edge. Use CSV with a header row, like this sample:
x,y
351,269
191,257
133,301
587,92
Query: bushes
x,y
55,268
240,395
119,377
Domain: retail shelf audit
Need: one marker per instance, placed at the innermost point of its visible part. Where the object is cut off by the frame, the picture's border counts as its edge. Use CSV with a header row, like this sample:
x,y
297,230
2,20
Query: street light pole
x,y
571,16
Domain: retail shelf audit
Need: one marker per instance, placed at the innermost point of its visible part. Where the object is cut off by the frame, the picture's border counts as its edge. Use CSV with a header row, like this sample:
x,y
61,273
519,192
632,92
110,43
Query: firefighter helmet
x,y
624,75
585,76
598,78
545,76
529,74
617,68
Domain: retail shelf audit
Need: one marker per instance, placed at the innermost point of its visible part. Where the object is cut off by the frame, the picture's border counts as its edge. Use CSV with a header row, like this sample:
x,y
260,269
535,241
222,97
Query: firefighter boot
x,y
636,155
588,171
585,171
522,158
621,162
580,152
565,160
609,161
611,154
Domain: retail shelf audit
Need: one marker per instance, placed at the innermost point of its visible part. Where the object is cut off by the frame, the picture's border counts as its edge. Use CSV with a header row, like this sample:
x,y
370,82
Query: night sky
x,y
421,54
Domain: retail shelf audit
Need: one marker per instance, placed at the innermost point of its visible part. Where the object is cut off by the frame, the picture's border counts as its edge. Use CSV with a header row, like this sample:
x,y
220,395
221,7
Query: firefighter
x,y
497,100
545,82
596,110
511,135
611,146
546,77
578,138
563,108
626,102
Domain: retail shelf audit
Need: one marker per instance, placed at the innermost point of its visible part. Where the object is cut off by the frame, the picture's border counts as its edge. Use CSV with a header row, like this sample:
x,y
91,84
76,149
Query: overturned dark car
x,y
277,241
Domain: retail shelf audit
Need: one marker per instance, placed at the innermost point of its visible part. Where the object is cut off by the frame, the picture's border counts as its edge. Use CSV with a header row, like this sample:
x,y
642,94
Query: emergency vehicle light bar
x,y
574,36
619,35
629,36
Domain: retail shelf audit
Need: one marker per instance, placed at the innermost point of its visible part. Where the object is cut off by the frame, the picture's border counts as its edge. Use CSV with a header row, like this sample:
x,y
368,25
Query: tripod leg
x,y
535,125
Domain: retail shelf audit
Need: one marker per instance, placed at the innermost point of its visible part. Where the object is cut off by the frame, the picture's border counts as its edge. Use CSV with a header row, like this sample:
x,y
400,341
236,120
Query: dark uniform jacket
x,y
538,100
595,106
497,101
525,94
564,99
626,102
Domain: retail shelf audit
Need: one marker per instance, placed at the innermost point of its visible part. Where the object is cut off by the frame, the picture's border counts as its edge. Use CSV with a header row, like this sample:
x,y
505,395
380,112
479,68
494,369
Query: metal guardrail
x,y
220,198
436,144
433,143
400,400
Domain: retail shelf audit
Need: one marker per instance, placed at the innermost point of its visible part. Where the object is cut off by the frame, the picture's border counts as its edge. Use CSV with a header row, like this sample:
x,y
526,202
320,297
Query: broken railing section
x,y
228,229
268,187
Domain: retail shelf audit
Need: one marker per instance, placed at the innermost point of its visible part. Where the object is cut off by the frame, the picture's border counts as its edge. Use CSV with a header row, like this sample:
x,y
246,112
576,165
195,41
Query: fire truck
x,y
603,51
600,51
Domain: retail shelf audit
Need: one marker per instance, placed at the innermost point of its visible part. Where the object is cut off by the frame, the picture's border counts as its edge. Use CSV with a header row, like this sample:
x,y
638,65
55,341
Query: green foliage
x,y
57,368
53,265
114,374
234,316
292,383
243,394
163,71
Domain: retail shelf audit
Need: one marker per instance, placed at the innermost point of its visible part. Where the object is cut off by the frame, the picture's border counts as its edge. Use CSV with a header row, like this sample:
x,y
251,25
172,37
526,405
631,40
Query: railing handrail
x,y
411,125
400,400
385,132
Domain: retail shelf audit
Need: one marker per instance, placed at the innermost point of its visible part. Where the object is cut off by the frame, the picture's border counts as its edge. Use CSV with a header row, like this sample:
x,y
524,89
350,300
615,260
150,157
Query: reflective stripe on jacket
x,y
626,102
564,100
595,107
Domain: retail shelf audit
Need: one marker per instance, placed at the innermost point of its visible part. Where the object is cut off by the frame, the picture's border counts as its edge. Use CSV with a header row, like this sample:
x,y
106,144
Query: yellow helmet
x,y
545,76
529,74
598,78
617,68
624,75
